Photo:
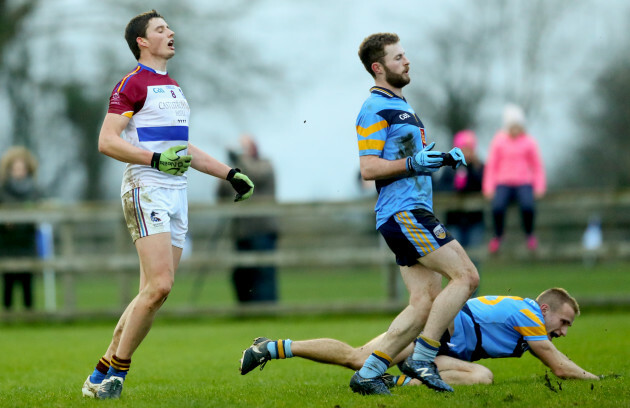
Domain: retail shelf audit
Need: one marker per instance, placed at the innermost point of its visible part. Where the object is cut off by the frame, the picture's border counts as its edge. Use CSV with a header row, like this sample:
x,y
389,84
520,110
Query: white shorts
x,y
152,210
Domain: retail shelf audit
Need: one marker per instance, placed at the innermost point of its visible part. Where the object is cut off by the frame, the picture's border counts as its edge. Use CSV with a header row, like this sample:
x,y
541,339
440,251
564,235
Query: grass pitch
x,y
195,364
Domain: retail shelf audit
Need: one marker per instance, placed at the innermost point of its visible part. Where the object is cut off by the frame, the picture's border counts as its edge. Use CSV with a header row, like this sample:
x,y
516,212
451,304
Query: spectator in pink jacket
x,y
514,172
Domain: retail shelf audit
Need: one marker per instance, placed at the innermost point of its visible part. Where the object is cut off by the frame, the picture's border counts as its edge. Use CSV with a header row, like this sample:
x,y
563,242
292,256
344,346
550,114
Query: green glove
x,y
241,183
170,162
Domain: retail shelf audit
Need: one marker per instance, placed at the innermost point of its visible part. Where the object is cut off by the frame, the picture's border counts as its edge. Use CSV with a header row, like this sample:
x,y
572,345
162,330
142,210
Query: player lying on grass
x,y
486,327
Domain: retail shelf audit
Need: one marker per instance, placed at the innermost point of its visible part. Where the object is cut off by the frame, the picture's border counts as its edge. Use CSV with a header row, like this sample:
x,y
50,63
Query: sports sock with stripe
x,y
280,349
400,380
100,371
375,365
119,367
425,349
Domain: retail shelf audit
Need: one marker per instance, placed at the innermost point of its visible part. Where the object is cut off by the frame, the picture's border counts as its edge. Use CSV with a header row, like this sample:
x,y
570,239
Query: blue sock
x,y
423,351
280,349
118,373
100,371
97,377
375,365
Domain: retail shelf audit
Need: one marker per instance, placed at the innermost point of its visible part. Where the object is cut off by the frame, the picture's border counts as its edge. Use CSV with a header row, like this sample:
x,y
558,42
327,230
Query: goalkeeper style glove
x,y
425,160
241,184
170,162
454,158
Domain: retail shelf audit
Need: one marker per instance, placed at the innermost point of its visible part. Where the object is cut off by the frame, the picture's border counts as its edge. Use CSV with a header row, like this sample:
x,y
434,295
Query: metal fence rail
x,y
93,236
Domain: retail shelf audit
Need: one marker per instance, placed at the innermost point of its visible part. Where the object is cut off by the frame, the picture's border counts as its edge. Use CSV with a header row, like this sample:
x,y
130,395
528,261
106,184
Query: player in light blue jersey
x,y
486,327
393,151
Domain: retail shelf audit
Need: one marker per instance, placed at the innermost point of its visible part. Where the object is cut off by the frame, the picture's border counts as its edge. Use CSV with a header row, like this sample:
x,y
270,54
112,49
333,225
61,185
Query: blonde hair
x,y
556,297
13,154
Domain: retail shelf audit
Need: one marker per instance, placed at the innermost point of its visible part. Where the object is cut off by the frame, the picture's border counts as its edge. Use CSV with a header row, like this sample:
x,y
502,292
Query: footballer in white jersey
x,y
159,115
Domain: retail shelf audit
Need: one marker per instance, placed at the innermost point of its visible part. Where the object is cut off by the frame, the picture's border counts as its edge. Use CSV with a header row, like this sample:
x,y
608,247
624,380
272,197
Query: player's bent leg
x,y
452,262
459,372
423,286
449,260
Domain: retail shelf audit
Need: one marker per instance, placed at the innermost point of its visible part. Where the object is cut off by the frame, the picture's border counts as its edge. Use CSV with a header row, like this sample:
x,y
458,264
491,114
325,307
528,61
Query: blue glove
x,y
425,160
458,157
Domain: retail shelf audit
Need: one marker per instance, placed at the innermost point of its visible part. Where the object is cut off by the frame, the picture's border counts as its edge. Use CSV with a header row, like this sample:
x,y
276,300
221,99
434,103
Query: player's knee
x,y
483,375
158,292
356,359
473,279
470,277
163,290
421,301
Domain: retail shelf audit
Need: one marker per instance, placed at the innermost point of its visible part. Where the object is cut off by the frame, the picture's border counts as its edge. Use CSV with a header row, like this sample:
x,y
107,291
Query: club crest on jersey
x,y
155,218
439,232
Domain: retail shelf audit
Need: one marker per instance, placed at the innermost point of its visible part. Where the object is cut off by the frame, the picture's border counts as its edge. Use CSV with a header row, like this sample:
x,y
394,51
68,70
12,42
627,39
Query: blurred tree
x,y
494,53
87,124
600,159
72,94
13,79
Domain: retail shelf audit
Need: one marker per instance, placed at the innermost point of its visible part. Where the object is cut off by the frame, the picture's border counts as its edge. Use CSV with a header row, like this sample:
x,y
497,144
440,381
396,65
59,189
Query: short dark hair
x,y
137,27
372,49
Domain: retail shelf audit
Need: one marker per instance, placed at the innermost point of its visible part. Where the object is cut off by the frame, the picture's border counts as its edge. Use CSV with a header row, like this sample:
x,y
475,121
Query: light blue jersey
x,y
388,127
496,326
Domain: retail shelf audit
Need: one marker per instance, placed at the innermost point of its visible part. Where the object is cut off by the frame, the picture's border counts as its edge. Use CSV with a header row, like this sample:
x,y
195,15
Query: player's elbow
x,y
103,146
367,173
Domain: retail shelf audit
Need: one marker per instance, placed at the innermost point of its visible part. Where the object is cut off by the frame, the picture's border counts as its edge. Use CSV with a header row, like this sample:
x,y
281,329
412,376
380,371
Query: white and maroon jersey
x,y
159,115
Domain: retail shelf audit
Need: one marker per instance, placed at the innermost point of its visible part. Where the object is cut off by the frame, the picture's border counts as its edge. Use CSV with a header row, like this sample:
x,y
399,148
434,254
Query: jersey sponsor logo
x,y
398,117
158,90
424,141
173,105
439,232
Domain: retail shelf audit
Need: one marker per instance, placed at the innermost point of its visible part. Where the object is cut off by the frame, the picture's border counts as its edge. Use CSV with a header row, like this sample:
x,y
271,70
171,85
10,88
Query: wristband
x,y
231,173
155,160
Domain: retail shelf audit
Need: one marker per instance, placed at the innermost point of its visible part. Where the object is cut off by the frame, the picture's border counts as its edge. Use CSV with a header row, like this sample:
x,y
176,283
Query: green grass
x,y
195,364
